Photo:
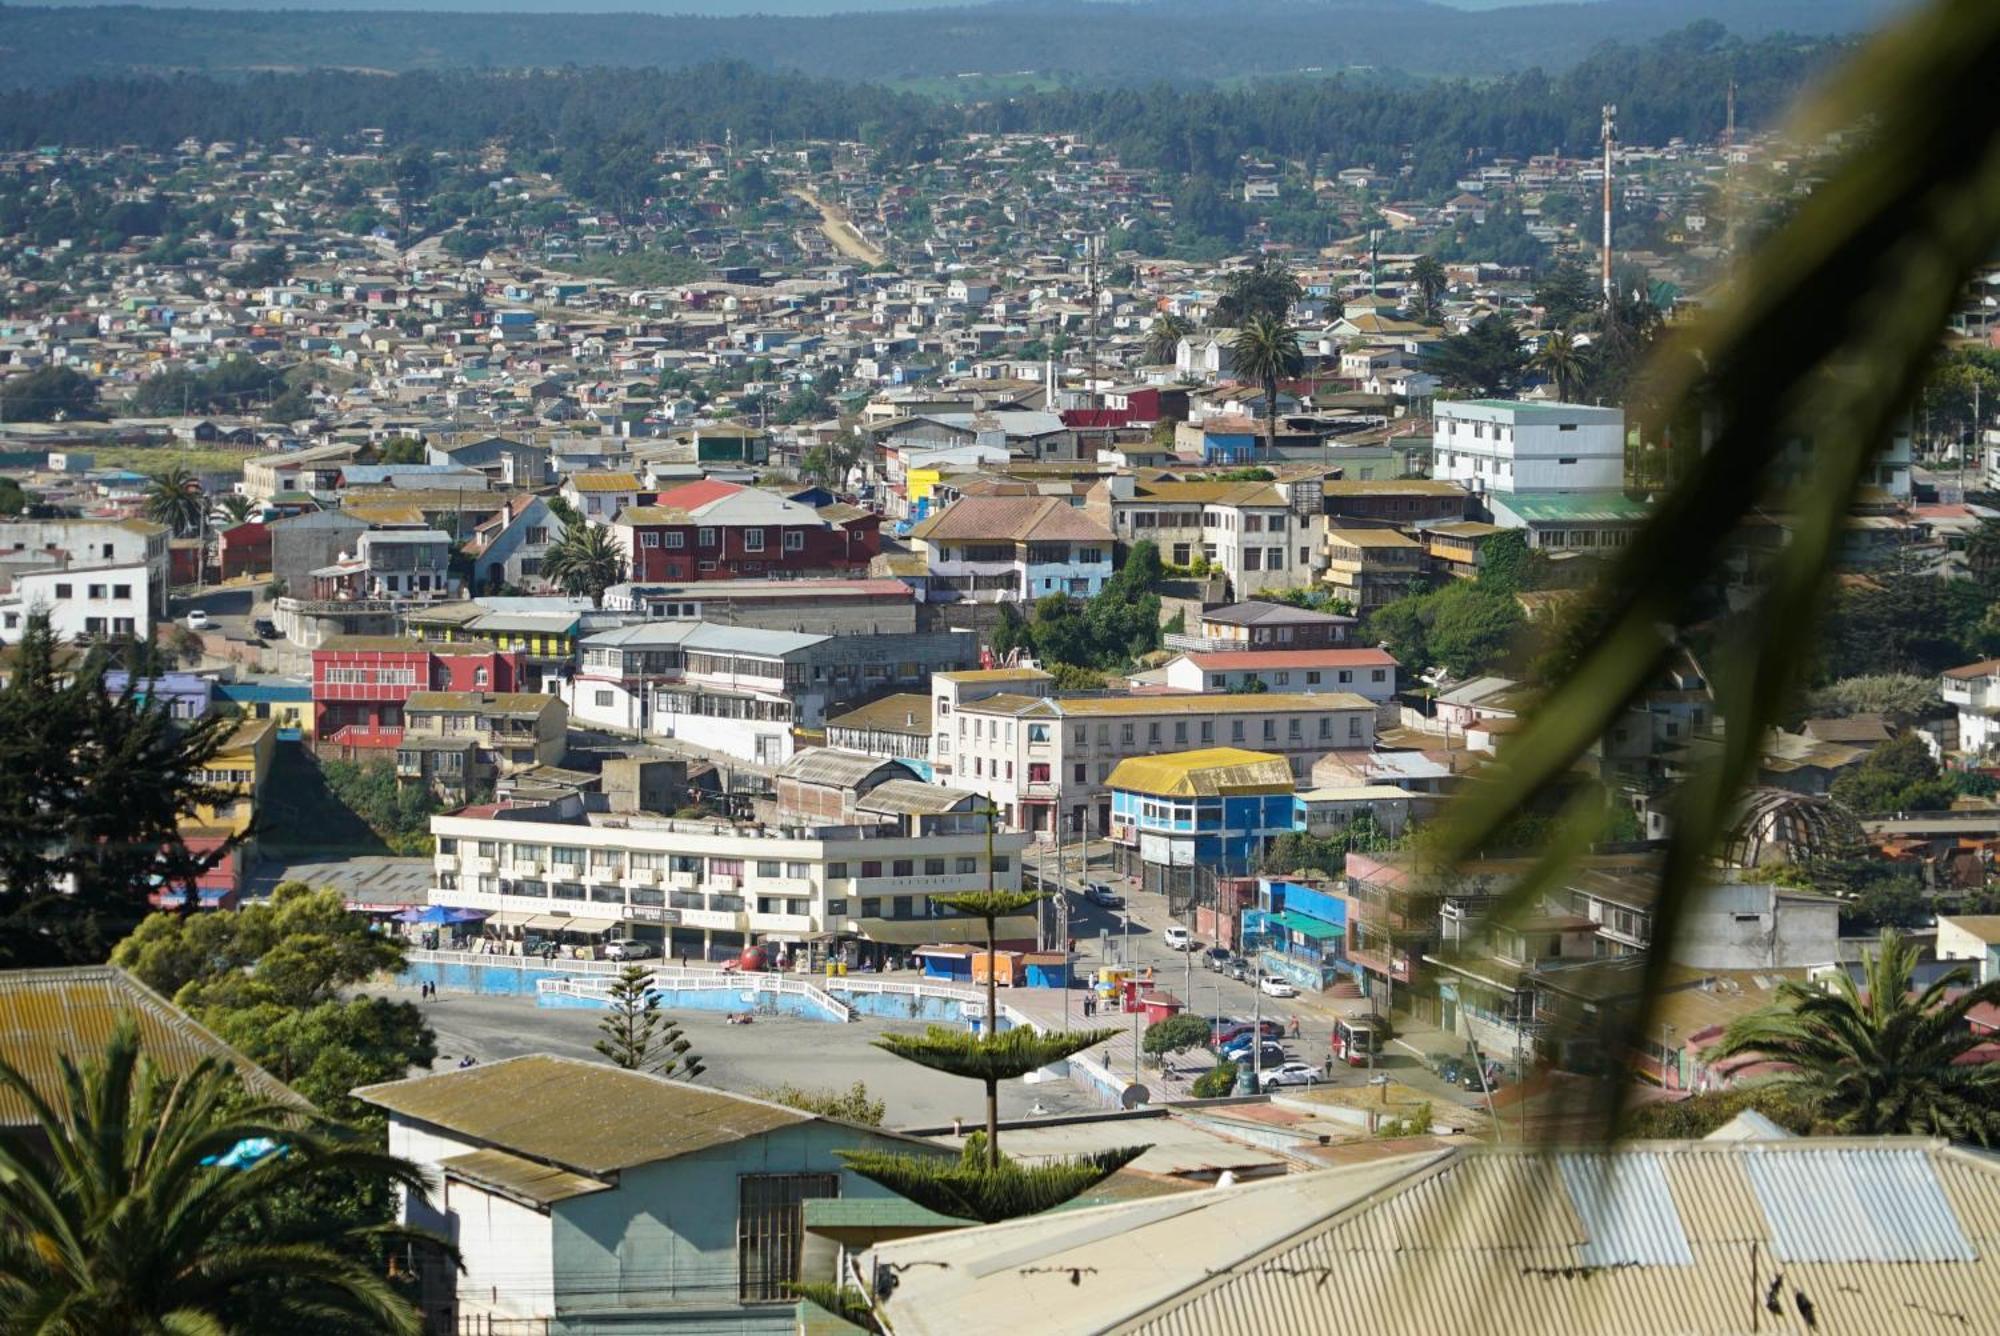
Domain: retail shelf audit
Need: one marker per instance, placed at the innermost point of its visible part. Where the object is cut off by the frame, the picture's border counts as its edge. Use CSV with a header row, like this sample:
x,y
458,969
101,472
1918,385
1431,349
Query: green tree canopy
x,y
1900,775
1176,1034
1486,360
46,394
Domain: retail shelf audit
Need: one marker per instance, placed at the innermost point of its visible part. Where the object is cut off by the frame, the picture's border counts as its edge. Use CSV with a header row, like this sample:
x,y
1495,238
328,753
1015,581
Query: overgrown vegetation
x,y
398,813
854,1104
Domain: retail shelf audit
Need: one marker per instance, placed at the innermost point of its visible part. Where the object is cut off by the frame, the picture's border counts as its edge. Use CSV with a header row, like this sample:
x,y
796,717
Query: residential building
x,y
390,565
314,468
1365,672
1495,445
711,888
1263,535
1974,690
1395,501
1180,819
579,1194
809,604
950,691
1369,568
1270,626
544,629
238,770
1456,549
1973,937
1007,549
361,684
712,530
897,727
743,690
1591,522
509,546
301,544
508,464
1034,757
460,742
82,603
1324,812
93,577
1753,1231
601,496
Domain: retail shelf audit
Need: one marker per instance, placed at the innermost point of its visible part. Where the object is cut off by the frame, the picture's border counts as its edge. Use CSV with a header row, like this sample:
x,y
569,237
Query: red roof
x,y
689,495
1230,660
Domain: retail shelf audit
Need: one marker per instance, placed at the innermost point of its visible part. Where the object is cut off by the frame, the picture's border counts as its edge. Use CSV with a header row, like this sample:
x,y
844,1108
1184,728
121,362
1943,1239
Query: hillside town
x,y
864,595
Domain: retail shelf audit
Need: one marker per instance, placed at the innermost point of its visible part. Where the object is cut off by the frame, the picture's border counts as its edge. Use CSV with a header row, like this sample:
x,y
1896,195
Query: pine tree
x,y
637,1037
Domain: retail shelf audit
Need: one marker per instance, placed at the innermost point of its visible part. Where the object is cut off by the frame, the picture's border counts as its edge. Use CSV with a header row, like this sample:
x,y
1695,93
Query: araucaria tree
x,y
93,788
119,1218
1267,350
983,1184
1880,1058
637,1036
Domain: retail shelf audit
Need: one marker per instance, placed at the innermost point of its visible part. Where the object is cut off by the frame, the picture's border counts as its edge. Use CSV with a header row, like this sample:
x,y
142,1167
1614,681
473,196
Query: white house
x,y
1013,549
1365,672
1491,445
81,601
1974,688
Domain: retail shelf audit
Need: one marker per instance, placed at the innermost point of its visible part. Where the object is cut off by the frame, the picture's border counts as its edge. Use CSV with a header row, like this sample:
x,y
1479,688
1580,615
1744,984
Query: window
x,y
1236,730
795,540
769,867
706,537
753,540
1079,772
871,868
649,539
121,591
871,906
1038,772
1270,730
903,867
770,1232
1283,679
677,539
1001,862
1378,675
64,591
902,907
1325,726
603,699
933,867
967,866
836,909
1353,727
836,872
1208,730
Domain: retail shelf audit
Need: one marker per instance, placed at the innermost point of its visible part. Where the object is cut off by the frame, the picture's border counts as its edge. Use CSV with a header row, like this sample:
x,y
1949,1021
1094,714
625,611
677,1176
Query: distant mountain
x,y
1033,43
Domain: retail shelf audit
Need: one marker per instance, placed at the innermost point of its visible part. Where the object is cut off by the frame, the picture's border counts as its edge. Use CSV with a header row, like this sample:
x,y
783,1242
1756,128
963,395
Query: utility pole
x,y
1610,137
1095,251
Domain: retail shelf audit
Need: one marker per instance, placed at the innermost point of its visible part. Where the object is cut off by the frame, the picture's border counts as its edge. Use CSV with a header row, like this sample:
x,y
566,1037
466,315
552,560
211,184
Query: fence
x,y
704,991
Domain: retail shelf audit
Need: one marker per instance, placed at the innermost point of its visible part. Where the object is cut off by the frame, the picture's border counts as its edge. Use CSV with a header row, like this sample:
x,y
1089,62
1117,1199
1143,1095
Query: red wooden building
x,y
360,683
713,530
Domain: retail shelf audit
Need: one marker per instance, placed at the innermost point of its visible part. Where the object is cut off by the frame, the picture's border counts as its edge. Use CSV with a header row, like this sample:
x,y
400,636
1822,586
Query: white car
x,y
626,948
1293,1074
1272,986
1177,938
197,620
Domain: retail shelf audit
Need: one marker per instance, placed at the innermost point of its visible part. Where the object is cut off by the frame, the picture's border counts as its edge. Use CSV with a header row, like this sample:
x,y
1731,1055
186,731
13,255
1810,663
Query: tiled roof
x,y
1014,518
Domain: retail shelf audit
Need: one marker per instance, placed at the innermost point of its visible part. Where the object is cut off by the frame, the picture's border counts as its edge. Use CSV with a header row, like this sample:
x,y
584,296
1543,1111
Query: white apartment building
x,y
952,691
1263,535
1493,445
712,887
1365,672
1974,690
31,545
1033,758
85,601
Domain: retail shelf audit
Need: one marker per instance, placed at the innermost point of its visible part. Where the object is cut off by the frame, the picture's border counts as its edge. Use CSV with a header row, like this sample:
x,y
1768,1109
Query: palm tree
x,y
1561,360
173,498
127,1209
1163,340
1427,276
585,561
1880,1060
1267,350
234,508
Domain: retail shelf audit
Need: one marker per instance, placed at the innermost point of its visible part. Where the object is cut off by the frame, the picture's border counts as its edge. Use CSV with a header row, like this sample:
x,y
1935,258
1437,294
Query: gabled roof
x,y
604,482
1255,612
838,768
1222,661
1013,519
588,1117
56,1013
1206,773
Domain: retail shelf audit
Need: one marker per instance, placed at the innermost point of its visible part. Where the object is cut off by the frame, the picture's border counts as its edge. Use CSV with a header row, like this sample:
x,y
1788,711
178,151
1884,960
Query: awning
x,y
509,918
1305,925
956,928
569,923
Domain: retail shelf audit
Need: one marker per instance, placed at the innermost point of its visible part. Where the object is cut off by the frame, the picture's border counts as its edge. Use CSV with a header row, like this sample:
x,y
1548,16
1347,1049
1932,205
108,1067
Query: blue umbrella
x,y
440,914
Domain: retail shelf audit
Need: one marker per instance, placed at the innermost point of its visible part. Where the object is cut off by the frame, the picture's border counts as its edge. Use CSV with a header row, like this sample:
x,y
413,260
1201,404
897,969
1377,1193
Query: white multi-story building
x,y
951,691
1034,757
1365,672
88,602
1012,549
93,577
712,887
1492,445
1974,690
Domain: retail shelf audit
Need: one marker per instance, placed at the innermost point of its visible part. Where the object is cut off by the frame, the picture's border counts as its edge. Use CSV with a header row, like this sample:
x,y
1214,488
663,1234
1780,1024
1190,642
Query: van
x,y
1177,938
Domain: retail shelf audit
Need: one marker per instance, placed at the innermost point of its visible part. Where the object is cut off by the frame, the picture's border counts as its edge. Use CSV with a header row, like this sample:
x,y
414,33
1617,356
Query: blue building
x,y
1298,932
1181,819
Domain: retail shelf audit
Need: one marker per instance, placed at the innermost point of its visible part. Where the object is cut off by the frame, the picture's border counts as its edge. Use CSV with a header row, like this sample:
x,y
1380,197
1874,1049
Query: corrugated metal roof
x,y
46,1015
524,1180
1628,1214
587,1116
907,797
1485,1240
838,768
1857,1205
1204,773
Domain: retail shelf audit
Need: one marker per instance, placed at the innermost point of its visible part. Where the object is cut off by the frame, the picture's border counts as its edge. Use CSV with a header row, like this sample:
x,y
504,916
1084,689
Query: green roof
x,y
1570,507
874,1213
1319,930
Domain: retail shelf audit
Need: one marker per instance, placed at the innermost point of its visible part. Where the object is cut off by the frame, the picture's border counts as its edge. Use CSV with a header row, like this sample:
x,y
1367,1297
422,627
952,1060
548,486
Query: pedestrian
x,y
1295,1027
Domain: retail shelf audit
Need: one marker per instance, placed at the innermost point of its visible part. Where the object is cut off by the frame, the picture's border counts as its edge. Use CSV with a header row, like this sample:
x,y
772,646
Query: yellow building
x,y
1371,567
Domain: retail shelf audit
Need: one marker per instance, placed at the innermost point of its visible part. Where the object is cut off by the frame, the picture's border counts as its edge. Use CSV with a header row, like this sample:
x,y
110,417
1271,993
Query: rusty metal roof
x,y
46,1015
585,1116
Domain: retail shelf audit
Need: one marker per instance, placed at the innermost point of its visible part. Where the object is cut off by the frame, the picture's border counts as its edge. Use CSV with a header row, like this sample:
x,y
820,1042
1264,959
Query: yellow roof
x,y
605,482
1204,773
996,675
1370,538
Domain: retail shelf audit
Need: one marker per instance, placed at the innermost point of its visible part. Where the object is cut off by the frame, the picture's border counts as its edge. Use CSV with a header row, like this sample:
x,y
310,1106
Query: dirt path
x,y
844,235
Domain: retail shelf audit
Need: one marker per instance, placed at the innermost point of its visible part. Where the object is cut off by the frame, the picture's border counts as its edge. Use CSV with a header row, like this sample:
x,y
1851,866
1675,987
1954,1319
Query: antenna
x,y
1610,137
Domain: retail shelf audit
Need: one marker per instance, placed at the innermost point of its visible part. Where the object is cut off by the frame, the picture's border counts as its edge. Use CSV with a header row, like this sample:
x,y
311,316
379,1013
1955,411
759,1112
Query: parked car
x,y
1229,1032
1239,969
1471,1077
1272,986
1292,1074
1177,938
627,948
265,628
197,620
1217,958
1099,894
1270,1056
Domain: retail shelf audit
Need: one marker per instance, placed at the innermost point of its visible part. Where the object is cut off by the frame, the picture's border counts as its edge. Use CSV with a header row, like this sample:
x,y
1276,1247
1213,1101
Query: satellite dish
x,y
1135,1097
